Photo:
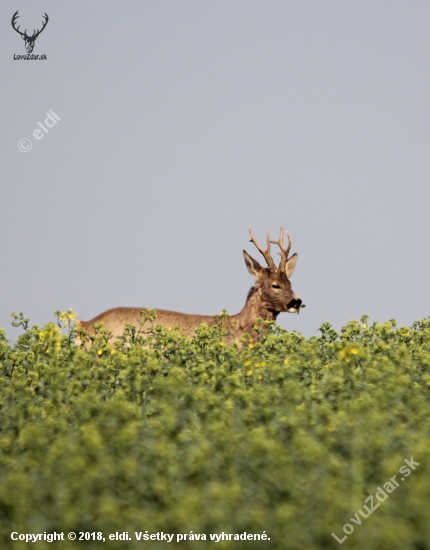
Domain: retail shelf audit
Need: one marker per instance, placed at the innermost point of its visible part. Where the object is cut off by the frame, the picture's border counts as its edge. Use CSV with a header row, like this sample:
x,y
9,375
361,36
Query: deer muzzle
x,y
294,305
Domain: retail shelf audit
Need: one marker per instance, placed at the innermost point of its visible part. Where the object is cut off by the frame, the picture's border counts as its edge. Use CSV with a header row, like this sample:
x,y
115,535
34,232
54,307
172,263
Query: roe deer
x,y
271,295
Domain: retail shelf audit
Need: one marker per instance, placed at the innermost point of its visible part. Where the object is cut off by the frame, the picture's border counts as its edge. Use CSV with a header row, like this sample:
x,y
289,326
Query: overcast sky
x,y
184,122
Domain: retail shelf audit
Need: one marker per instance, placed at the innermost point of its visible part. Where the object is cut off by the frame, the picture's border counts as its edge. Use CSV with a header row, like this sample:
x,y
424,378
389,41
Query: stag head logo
x,y
29,40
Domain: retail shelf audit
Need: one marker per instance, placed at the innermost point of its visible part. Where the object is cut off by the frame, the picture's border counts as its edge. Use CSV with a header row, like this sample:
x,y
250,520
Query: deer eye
x,y
276,286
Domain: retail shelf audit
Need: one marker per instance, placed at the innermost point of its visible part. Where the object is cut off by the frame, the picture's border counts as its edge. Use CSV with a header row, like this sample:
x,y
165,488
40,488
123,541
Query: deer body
x,y
271,295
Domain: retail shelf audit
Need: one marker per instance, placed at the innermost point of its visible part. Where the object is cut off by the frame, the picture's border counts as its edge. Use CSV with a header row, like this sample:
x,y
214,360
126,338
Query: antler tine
x,y
284,253
14,18
266,253
45,22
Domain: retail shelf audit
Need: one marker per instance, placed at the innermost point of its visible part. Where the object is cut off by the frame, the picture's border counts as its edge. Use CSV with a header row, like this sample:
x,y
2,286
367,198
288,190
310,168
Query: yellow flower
x,y
349,350
221,343
260,376
285,361
71,315
250,346
113,351
100,352
249,372
67,316
247,363
364,325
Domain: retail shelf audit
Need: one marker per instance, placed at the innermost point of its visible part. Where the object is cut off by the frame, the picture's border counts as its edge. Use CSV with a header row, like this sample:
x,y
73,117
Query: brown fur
x,y
264,301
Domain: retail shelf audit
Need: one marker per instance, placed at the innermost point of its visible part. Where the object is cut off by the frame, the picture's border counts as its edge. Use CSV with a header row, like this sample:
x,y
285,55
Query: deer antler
x,y
45,22
284,253
35,32
14,18
266,253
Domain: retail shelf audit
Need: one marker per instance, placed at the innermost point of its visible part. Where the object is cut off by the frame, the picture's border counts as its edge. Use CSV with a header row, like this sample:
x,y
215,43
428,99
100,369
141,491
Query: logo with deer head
x,y
29,40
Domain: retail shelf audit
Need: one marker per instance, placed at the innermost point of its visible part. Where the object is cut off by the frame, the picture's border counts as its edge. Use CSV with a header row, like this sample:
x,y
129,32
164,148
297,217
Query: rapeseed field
x,y
294,439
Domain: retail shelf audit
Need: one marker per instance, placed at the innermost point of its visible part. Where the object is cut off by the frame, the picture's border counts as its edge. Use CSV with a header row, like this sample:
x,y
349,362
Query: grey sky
x,y
184,122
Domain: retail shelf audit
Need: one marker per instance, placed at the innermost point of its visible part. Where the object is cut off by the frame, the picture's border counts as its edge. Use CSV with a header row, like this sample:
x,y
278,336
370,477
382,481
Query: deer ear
x,y
291,264
253,266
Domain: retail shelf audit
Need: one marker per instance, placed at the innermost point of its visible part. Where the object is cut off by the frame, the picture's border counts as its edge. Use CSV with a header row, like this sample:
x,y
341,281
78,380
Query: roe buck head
x,y
272,283
29,40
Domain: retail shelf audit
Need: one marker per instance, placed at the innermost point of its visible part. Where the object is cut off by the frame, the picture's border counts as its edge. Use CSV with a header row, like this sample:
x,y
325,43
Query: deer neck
x,y
254,309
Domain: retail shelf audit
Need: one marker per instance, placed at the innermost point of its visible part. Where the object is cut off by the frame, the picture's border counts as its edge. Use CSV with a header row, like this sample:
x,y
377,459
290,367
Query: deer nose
x,y
296,303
